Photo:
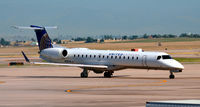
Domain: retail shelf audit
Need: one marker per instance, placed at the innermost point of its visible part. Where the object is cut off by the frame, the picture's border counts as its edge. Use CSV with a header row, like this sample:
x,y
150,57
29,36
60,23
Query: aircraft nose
x,y
178,65
173,64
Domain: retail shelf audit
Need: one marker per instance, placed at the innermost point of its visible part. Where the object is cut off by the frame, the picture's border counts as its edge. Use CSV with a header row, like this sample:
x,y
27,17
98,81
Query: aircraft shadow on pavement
x,y
114,77
68,76
54,77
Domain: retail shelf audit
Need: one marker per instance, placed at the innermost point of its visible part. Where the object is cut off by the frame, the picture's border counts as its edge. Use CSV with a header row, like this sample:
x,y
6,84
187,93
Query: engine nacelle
x,y
54,53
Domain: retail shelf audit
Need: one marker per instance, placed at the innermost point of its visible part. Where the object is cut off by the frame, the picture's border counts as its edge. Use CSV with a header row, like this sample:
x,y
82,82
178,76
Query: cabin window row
x,y
103,56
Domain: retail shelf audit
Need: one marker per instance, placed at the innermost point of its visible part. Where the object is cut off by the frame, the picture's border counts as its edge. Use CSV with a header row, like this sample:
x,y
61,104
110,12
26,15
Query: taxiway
x,y
48,86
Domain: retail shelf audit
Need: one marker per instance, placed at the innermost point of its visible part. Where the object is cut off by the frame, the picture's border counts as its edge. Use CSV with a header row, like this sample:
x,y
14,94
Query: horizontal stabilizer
x,y
35,28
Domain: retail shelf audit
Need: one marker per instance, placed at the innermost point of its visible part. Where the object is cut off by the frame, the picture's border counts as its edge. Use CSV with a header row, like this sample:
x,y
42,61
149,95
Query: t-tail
x,y
42,36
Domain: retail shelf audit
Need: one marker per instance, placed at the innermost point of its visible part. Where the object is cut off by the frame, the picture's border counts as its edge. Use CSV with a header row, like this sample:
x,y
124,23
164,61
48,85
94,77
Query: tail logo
x,y
45,42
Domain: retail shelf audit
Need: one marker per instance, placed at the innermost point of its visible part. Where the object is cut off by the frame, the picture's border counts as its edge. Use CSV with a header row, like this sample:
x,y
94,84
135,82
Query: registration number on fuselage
x,y
68,61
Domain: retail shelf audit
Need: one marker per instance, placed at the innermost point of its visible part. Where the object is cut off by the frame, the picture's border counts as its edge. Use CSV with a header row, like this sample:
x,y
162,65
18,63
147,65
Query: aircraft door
x,y
144,61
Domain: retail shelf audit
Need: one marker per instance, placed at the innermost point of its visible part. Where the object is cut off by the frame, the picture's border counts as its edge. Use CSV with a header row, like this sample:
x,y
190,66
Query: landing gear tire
x,y
171,76
107,74
84,74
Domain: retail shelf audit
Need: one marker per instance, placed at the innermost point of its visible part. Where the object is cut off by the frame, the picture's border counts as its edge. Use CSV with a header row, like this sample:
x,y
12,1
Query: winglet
x,y
25,57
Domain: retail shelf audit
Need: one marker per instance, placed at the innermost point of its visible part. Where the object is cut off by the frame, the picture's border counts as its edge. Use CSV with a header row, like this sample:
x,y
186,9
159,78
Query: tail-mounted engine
x,y
54,53
64,53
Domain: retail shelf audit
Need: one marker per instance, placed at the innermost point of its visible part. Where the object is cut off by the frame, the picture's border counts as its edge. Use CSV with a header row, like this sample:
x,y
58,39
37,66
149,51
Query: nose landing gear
x,y
171,76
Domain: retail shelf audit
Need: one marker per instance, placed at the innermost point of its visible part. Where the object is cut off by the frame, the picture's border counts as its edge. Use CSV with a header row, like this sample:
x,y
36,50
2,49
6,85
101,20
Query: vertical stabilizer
x,y
42,37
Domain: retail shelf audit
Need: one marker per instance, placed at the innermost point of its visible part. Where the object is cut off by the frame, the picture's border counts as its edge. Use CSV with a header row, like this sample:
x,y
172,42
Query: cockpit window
x,y
159,57
166,57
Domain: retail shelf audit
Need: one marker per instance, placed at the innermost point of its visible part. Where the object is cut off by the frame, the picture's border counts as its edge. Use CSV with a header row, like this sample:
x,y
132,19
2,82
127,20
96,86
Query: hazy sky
x,y
98,17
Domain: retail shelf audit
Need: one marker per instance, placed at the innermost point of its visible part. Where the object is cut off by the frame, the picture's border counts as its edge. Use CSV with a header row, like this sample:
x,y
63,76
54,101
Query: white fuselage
x,y
99,61
115,60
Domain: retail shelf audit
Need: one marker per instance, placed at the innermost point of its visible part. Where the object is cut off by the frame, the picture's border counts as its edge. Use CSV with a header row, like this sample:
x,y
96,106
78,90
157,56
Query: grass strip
x,y
188,59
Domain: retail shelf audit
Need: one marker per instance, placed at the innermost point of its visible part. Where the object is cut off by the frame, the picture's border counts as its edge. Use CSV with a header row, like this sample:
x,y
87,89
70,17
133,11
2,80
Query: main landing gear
x,y
171,76
108,74
84,74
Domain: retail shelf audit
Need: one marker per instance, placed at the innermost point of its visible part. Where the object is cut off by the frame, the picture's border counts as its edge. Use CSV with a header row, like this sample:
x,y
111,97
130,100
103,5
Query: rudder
x,y
42,36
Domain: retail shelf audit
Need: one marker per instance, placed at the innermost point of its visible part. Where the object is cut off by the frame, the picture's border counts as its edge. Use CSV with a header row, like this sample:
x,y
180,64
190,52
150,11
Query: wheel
x,y
107,75
84,75
171,76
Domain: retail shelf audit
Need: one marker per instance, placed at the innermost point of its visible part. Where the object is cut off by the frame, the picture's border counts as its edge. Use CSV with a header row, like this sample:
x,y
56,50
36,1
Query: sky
x,y
81,18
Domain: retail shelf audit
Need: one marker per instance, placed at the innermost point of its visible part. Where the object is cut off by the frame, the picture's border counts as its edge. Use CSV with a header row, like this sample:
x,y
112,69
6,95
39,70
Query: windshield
x,y
166,57
159,57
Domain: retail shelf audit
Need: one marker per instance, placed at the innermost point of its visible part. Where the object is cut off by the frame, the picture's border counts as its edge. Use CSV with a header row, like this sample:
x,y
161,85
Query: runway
x,y
47,86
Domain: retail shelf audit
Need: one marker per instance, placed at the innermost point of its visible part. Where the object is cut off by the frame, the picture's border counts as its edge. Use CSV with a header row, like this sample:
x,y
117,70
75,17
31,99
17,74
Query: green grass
x,y
188,59
159,40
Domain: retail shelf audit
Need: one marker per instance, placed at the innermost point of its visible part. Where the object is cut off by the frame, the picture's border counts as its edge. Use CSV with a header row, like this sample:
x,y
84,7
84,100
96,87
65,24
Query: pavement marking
x,y
68,90
160,83
1,82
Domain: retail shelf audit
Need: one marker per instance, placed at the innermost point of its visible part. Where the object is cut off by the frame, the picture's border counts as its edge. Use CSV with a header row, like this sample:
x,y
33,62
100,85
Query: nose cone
x,y
173,64
178,65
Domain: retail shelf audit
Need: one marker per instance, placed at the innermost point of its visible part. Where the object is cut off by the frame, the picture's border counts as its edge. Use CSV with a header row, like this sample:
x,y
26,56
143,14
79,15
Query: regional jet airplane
x,y
100,61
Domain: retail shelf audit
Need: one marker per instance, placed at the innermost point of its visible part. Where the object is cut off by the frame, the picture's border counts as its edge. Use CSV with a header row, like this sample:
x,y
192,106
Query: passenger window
x,y
159,57
119,57
107,57
128,57
137,58
103,56
78,55
132,57
86,56
115,57
111,57
74,55
94,56
82,56
124,57
99,56
90,56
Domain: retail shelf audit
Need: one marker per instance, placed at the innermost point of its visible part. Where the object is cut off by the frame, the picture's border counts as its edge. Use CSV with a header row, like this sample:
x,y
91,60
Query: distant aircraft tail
x,y
42,36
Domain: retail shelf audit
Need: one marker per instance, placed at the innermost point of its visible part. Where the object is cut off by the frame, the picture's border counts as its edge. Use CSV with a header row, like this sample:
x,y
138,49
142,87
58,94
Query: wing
x,y
72,65
63,64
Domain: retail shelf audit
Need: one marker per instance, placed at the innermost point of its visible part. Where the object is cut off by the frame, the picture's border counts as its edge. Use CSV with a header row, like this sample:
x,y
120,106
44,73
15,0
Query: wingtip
x,y
25,57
